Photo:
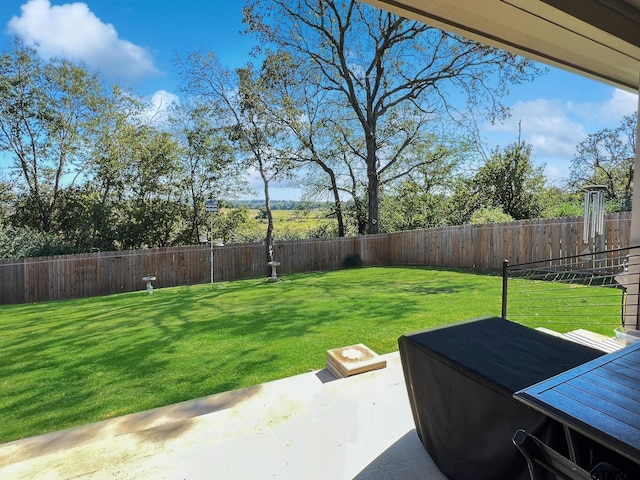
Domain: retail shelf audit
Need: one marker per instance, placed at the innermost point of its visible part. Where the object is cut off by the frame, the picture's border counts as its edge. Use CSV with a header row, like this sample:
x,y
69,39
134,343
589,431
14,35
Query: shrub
x,y
22,242
353,261
490,215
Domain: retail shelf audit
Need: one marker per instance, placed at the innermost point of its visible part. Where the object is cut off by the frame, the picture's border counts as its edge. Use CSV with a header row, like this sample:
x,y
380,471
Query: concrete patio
x,y
310,426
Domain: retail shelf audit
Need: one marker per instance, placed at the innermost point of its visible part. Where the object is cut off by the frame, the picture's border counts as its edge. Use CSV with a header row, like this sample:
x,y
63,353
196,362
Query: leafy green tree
x,y
228,221
7,199
113,149
607,157
462,201
145,184
208,164
562,202
76,214
419,199
510,181
47,109
411,209
152,205
388,71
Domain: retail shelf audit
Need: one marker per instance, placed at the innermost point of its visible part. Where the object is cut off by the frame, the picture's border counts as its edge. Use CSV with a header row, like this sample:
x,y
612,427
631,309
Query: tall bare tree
x,y
239,96
301,107
384,66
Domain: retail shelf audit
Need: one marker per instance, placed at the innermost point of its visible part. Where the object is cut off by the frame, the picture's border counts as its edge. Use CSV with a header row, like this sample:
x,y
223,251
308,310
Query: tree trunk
x,y
267,205
97,222
338,210
373,186
361,217
337,205
373,196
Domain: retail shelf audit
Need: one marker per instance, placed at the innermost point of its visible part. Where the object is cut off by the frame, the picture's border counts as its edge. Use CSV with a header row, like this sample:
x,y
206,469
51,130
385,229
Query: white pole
x,y
586,234
211,244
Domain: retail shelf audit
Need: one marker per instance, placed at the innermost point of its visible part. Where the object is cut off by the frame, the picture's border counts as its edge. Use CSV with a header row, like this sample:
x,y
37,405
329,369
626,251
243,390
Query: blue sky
x,y
133,42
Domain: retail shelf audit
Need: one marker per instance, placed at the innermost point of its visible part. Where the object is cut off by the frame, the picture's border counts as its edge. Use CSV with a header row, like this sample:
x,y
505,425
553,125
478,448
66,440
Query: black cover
x,y
461,379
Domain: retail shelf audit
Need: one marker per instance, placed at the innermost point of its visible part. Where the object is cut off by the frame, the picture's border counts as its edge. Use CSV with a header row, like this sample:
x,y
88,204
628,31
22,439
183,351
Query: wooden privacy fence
x,y
471,246
486,246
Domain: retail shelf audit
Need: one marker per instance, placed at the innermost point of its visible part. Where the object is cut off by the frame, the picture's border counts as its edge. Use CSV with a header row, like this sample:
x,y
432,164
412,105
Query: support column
x,y
631,320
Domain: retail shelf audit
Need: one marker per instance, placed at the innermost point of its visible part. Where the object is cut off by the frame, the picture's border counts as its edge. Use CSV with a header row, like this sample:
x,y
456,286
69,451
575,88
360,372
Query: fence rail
x,y
479,246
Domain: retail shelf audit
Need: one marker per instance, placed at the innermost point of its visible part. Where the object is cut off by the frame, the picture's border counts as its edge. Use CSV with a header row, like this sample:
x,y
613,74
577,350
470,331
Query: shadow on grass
x,y
73,362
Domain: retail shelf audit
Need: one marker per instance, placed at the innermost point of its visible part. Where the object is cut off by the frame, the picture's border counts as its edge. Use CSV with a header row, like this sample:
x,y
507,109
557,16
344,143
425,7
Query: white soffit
x,y
537,30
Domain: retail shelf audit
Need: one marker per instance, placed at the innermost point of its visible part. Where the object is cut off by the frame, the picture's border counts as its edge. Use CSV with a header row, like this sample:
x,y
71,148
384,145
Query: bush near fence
x,y
470,246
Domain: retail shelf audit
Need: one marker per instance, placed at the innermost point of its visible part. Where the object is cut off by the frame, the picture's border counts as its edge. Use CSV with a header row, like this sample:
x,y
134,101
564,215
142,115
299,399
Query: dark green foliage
x,y
353,261
262,214
47,113
508,181
16,242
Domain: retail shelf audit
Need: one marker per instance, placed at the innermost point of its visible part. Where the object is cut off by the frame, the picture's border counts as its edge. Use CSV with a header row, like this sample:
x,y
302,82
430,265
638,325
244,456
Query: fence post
x,y
505,268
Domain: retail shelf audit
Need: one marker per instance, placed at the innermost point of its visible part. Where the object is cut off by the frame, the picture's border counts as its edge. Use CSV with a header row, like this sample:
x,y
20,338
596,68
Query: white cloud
x,y
71,31
554,128
620,104
158,106
555,173
546,126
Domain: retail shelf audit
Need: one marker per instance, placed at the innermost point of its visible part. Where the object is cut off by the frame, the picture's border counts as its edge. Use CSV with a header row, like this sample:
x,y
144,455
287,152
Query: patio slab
x,y
310,426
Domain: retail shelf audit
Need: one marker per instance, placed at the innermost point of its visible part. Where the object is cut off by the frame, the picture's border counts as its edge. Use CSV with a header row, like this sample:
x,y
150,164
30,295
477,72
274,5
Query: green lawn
x,y
73,362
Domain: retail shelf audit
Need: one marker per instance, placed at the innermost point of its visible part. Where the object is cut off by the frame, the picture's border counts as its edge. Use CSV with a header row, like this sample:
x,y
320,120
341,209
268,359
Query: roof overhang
x,y
596,38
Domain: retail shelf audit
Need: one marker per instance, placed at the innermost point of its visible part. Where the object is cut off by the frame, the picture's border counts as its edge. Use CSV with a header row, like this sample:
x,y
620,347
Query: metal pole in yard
x,y
211,244
505,267
211,206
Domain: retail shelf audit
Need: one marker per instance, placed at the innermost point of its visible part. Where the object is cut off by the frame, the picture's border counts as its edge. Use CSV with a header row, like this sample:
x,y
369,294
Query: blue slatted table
x,y
599,399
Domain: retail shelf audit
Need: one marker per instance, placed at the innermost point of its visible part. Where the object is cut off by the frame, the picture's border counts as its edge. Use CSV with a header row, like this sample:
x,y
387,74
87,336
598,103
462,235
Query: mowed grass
x,y
565,307
74,362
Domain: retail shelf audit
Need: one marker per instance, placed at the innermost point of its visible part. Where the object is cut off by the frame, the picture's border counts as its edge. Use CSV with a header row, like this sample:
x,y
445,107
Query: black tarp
x,y
461,379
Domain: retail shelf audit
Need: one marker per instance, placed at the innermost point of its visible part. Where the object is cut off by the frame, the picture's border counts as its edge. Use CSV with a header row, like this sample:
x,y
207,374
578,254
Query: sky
x,y
133,43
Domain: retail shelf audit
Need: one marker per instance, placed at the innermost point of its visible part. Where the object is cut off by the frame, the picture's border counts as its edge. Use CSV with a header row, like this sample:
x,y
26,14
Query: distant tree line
x,y
371,115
